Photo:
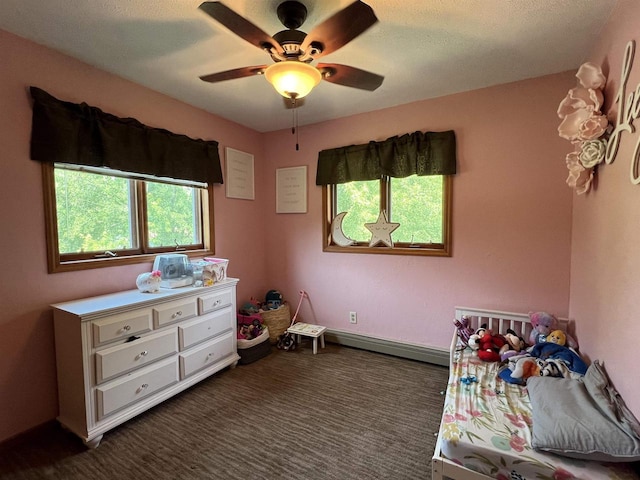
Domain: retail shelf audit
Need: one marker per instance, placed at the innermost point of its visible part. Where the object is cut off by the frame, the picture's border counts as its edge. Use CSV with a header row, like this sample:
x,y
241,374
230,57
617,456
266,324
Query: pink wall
x,y
28,395
511,218
512,222
605,262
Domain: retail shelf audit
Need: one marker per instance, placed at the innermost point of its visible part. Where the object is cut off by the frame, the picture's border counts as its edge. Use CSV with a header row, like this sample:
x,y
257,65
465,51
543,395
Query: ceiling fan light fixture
x,y
293,79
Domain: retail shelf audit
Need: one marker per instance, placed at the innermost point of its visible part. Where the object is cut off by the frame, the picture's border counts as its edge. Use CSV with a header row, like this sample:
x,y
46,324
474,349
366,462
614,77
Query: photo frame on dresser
x,y
240,174
291,190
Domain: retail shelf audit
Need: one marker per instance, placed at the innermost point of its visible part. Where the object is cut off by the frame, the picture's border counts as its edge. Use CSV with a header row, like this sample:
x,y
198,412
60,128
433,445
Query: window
x,y
100,217
420,204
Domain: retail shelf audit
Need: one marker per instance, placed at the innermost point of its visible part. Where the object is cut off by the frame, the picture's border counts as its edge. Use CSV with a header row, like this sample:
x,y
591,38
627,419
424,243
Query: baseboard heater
x,y
421,353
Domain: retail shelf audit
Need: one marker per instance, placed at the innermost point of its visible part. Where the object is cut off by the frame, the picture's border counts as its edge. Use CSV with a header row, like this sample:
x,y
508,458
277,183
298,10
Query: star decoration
x,y
381,230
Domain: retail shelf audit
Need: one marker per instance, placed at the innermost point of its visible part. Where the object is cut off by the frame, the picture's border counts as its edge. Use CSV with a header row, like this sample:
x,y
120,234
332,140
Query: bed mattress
x,y
487,428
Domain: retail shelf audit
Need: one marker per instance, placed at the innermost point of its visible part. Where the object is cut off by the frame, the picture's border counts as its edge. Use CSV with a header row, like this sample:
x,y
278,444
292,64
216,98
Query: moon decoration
x,y
337,235
381,230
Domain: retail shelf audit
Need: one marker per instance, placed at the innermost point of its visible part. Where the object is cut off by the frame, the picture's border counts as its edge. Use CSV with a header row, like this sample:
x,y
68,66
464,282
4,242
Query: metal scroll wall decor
x,y
628,111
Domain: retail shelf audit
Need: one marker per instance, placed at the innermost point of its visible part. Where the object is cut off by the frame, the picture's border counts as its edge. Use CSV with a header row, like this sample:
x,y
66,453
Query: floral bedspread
x,y
487,428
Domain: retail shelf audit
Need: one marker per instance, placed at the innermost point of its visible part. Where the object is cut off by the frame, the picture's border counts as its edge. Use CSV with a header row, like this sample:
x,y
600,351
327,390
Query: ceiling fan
x,y
292,50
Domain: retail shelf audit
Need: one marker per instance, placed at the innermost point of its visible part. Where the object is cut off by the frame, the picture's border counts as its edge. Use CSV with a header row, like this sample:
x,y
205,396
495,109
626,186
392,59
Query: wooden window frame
x,y
69,262
443,249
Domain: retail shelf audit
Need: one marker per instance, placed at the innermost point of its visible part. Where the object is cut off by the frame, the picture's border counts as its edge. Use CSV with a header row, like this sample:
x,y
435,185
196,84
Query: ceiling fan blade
x,y
240,26
340,29
235,73
350,76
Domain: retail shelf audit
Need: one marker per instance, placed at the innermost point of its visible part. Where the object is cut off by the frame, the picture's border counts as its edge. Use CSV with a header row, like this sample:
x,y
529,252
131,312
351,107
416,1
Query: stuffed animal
x,y
526,367
514,345
543,324
487,344
557,336
463,330
149,282
474,338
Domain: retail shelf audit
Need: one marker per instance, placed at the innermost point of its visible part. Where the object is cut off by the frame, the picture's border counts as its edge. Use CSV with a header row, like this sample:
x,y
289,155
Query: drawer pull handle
x,y
126,328
143,353
143,387
177,314
216,303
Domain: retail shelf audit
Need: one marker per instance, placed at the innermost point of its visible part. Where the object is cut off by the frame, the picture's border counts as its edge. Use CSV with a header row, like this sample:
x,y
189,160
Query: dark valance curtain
x,y
429,153
79,134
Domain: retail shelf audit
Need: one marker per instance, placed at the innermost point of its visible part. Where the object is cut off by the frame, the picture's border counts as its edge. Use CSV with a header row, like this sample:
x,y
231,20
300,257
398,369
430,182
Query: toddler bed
x,y
487,424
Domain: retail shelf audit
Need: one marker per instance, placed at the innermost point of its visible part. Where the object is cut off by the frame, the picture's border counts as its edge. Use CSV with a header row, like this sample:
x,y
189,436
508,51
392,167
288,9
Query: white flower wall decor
x,y
584,125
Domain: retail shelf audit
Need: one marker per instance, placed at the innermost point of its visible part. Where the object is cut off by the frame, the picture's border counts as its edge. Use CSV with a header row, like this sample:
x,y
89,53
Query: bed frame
x,y
497,322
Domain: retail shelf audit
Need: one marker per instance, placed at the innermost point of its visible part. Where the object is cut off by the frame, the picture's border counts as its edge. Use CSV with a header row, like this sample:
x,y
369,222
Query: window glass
x,y
417,205
172,215
362,201
100,217
93,212
420,204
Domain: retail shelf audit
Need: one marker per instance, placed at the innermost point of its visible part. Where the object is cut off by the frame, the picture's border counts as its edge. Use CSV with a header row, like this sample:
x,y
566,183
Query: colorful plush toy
x,y
557,336
526,367
474,338
543,324
513,346
487,344
463,330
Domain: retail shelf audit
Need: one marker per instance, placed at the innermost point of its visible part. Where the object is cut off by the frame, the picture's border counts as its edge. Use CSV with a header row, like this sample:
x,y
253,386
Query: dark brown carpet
x,y
341,414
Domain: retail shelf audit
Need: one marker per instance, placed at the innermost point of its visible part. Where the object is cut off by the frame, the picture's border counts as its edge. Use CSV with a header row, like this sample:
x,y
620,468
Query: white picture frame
x,y
291,190
240,174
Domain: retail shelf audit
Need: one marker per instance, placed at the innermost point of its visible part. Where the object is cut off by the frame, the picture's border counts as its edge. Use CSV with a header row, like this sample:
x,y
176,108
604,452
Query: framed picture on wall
x,y
239,181
291,190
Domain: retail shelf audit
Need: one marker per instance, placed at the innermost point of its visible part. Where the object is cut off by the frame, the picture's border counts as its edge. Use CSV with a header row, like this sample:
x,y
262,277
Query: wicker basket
x,y
277,320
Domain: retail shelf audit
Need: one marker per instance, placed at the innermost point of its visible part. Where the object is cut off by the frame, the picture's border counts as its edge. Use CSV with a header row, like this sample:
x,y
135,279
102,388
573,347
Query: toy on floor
x,y
272,300
251,307
249,326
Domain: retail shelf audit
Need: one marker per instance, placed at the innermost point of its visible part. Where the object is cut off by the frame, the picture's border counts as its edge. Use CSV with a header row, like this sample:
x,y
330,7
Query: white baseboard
x,y
380,345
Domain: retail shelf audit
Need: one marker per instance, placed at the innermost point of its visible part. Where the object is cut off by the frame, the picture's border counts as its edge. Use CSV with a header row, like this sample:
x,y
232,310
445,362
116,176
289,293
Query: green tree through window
x,y
420,204
98,214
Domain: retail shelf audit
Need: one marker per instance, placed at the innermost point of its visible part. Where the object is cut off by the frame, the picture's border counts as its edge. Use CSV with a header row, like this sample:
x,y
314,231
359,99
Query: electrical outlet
x,y
353,317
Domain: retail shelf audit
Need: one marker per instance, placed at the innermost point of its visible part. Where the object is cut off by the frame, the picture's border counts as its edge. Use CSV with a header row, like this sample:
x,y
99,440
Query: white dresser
x,y
118,355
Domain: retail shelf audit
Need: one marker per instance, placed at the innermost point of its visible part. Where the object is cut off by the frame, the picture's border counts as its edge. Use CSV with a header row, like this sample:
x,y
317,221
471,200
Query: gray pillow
x,y
583,419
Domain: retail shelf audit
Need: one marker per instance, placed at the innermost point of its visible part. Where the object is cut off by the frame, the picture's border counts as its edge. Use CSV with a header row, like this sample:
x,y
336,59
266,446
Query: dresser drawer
x,y
214,301
135,386
174,311
208,354
120,326
199,330
115,361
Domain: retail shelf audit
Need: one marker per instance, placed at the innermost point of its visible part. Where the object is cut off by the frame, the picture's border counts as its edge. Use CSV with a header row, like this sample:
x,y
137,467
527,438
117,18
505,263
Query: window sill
x,y
70,266
418,251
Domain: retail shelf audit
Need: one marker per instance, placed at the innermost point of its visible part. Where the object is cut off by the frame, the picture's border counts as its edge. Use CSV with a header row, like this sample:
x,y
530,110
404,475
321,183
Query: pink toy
x,y
543,324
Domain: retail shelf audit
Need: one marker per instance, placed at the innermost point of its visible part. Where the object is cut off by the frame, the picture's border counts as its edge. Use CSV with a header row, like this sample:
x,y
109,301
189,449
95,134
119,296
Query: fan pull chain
x,y
294,127
295,110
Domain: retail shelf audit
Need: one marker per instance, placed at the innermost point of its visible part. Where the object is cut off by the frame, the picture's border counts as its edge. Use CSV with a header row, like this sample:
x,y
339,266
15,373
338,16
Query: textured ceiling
x,y
423,48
